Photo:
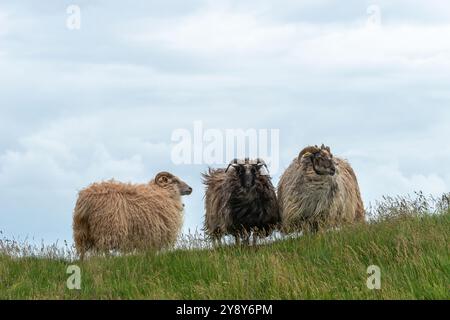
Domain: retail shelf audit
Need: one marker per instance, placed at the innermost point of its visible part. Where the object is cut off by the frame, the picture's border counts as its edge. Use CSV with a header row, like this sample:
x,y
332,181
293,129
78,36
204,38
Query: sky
x,y
77,105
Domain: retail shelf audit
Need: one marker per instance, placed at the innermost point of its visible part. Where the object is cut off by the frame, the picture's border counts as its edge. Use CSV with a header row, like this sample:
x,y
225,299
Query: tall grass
x,y
408,238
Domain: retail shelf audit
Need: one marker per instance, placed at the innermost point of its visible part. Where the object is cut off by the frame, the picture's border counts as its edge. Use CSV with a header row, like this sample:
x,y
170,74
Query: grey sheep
x,y
319,190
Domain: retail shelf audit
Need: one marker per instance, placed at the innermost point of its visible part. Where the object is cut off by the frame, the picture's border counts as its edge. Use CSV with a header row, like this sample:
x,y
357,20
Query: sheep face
x,y
167,180
248,172
321,160
247,175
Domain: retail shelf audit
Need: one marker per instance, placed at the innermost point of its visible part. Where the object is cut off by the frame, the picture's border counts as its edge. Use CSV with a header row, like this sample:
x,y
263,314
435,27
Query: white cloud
x,y
3,23
223,32
77,107
388,179
396,47
41,175
4,29
244,35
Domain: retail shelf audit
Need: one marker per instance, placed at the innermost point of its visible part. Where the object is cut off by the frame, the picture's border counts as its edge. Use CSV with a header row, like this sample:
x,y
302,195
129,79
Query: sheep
x,y
122,216
240,200
319,190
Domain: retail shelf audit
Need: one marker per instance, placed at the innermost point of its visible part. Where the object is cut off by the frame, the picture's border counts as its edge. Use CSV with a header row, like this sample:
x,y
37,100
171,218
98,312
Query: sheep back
x,y
113,215
218,218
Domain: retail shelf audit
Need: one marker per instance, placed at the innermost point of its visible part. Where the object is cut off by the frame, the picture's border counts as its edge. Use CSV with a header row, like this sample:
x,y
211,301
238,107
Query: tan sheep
x,y
119,216
317,190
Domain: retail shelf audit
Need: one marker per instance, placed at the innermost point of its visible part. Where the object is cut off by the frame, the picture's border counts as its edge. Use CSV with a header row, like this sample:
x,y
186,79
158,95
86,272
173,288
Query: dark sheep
x,y
240,200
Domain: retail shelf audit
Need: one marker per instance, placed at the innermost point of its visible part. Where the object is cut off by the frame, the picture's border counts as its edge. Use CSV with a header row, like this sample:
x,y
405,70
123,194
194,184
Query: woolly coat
x,y
231,209
306,197
113,215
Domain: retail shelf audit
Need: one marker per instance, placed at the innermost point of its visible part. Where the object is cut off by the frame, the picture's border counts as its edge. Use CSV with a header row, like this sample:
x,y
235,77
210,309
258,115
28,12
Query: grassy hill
x,y
411,251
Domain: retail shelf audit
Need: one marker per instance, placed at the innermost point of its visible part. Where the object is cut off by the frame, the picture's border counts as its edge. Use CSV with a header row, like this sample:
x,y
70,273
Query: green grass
x,y
412,252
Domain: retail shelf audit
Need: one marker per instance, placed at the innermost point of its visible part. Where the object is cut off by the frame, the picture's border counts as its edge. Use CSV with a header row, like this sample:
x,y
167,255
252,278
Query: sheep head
x,y
169,181
247,170
321,159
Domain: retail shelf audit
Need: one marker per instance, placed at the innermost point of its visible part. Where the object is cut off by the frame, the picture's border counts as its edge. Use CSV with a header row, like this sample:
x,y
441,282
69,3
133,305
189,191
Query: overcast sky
x,y
370,79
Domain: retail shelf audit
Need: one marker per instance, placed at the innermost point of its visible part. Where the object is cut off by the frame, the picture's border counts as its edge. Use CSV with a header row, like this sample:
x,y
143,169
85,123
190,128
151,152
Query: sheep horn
x,y
233,163
309,149
162,174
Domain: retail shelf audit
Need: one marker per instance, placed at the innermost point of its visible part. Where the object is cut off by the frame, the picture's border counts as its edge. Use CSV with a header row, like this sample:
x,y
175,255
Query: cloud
x,y
4,21
102,102
388,179
248,40
4,30
44,171
212,31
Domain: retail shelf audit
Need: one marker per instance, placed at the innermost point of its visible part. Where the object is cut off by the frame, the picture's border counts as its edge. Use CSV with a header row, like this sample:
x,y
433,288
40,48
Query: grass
x,y
411,247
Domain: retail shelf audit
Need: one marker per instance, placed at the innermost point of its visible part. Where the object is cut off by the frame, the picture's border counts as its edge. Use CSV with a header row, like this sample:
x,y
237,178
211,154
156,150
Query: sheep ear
x,y
263,170
262,167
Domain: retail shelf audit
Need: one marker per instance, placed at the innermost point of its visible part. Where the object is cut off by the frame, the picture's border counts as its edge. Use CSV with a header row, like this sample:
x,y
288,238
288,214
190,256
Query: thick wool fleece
x,y
113,215
306,197
233,209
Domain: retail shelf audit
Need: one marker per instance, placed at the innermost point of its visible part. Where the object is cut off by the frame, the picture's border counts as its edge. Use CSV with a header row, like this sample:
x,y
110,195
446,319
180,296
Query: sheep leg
x,y
217,242
315,227
255,238
237,240
247,239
